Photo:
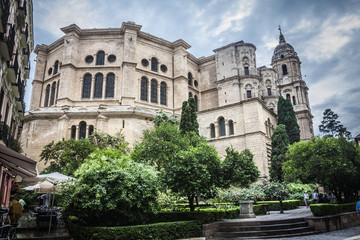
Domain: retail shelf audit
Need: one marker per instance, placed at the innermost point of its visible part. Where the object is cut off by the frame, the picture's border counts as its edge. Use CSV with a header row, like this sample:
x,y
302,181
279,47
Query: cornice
x,y
235,44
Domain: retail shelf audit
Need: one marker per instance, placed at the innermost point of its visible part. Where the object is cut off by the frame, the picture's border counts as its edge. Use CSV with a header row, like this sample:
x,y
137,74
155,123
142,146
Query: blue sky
x,y
324,33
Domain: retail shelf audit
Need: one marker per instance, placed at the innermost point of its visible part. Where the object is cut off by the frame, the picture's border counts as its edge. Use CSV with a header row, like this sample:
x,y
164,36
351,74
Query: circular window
x,y
111,58
145,62
195,83
89,59
282,56
50,71
163,68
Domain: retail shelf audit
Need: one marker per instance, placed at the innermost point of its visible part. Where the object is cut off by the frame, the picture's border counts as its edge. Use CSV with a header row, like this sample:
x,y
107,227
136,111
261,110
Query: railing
x,y
251,72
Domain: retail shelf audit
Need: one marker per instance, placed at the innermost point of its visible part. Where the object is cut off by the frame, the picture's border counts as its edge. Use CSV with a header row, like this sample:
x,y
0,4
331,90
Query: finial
x,y
281,37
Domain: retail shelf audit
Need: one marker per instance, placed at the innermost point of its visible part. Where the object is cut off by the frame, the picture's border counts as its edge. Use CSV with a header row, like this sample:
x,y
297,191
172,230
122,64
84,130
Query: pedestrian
x,y
15,211
315,196
358,208
22,202
306,199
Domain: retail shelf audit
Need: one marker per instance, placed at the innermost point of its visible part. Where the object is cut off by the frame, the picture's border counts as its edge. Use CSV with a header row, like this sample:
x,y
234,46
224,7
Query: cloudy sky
x,y
325,34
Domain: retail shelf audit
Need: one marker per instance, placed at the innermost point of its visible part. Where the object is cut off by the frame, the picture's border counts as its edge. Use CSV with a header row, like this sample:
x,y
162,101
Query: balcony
x,y
7,42
4,133
5,10
21,15
12,70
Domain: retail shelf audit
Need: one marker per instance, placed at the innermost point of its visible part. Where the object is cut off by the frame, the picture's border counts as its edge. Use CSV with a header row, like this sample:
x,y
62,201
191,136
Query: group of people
x,y
318,198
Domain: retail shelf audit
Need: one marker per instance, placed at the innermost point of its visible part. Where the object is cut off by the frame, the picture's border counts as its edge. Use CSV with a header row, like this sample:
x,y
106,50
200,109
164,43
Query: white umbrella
x,y
54,177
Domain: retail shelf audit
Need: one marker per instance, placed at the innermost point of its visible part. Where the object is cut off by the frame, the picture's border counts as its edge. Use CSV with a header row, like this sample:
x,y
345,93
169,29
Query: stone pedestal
x,y
246,209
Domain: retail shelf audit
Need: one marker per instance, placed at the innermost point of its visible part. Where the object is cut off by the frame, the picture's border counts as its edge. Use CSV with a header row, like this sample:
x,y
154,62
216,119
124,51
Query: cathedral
x,y
117,79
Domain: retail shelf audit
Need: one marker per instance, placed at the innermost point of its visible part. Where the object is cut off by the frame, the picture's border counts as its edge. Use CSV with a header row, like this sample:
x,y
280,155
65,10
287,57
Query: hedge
x,y
275,205
163,231
324,209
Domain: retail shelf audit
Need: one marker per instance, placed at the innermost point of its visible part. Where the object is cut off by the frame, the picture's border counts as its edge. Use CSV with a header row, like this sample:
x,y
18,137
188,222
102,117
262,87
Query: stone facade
x,y
118,79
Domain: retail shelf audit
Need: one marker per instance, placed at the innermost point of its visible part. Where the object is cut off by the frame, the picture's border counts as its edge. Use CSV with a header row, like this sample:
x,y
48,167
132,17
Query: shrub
x,y
299,188
275,205
324,209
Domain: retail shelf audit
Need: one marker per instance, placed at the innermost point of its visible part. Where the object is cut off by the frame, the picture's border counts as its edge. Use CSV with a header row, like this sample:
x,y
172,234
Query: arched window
x,y
190,79
212,130
154,64
190,94
144,89
246,70
222,126
47,95
294,100
163,93
248,93
56,67
231,127
269,91
53,92
73,131
86,86
288,96
284,69
82,130
91,129
154,91
196,102
100,58
98,85
110,82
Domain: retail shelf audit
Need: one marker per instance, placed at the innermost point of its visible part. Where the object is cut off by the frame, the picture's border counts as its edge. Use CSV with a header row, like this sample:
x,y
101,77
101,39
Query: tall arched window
x,y
284,69
154,64
73,131
82,130
212,130
100,58
246,70
294,100
47,95
53,92
86,86
91,129
190,79
163,93
98,85
144,89
231,127
196,102
56,67
288,96
110,82
269,91
154,91
222,126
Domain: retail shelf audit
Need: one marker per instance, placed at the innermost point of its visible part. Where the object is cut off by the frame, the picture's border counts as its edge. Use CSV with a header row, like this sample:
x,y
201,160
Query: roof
x,y
17,163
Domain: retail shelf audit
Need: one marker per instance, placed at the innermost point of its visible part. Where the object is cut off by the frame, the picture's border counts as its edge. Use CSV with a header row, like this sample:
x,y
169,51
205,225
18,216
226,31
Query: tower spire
x,y
281,37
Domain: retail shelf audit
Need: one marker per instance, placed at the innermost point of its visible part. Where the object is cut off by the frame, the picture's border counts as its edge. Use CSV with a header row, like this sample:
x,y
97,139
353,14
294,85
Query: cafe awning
x,y
17,163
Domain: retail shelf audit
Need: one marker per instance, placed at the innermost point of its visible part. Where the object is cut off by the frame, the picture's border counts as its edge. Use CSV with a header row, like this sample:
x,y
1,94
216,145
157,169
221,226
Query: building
x,y
16,43
117,79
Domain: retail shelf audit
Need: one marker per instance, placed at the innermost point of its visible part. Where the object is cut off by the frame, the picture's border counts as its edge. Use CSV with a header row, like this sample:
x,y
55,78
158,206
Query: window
x,y
222,126
98,85
163,93
144,89
111,58
110,82
231,127
100,57
154,64
294,100
82,130
212,130
53,91
288,96
269,91
86,86
50,71
284,69
196,83
196,102
163,68
56,67
89,59
73,131
246,70
153,91
248,93
190,94
91,129
2,96
145,62
190,79
47,95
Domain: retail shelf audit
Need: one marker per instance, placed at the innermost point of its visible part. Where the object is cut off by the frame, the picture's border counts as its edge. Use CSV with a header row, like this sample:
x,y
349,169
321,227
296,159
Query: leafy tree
x,y
193,171
188,121
331,126
163,117
286,116
279,147
332,162
239,169
112,190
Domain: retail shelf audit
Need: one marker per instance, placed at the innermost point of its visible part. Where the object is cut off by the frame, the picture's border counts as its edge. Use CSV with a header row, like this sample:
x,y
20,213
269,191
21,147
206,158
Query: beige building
x,y
117,79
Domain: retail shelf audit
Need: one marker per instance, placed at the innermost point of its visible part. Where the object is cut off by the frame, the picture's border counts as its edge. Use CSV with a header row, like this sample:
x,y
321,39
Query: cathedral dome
x,y
283,50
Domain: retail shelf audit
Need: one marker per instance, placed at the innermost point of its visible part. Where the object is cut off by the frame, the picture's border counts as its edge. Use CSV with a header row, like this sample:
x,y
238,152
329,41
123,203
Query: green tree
x,y
286,116
163,117
193,171
239,169
279,147
188,121
331,126
112,190
332,162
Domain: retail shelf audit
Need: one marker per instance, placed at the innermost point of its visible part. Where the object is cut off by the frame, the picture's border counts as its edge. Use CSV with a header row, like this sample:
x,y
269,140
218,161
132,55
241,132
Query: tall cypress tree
x,y
188,121
286,116
279,147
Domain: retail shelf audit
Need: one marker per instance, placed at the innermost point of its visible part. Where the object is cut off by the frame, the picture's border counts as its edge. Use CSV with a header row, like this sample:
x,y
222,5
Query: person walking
x,y
315,196
15,211
306,199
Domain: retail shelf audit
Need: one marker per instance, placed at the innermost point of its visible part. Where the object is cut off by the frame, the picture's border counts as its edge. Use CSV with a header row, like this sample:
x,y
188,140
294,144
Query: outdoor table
x,y
43,215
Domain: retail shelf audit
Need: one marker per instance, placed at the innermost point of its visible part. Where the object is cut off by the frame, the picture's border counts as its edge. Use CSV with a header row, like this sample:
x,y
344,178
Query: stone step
x,y
271,237
263,227
257,223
